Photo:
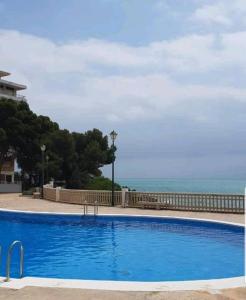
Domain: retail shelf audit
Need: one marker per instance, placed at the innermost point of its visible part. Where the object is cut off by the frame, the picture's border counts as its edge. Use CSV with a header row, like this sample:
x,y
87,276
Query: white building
x,y
9,89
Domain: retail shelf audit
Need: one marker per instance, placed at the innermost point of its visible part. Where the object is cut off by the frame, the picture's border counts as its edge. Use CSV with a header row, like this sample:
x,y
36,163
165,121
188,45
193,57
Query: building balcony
x,y
16,98
21,98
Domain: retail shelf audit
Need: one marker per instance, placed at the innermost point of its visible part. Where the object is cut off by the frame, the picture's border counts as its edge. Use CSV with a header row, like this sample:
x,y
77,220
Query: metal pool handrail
x,y
95,208
85,208
10,250
0,257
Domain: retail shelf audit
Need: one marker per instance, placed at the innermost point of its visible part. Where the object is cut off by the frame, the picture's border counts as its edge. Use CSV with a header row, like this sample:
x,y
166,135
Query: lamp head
x,y
113,135
43,147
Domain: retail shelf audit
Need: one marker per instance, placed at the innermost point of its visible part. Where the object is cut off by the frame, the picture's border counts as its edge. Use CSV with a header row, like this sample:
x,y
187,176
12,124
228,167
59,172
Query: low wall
x,y
225,203
10,188
81,196
50,193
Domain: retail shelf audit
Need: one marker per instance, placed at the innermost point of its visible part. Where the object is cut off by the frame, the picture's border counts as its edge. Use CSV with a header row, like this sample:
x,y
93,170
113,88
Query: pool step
x,y
91,209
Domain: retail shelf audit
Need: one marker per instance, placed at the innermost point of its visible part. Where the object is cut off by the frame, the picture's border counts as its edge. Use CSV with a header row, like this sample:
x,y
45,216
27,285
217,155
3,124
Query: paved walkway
x,y
32,293
18,202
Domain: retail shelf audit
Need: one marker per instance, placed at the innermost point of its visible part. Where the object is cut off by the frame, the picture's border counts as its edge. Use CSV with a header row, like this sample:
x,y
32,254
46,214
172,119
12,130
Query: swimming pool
x,y
123,248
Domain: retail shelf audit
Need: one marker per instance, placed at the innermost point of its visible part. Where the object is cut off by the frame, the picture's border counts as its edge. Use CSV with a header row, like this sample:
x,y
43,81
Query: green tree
x,y
4,146
7,111
93,153
63,158
73,157
102,183
22,131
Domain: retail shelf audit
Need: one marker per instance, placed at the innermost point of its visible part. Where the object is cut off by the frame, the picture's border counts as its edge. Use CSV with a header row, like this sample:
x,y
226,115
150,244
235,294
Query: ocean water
x,y
227,186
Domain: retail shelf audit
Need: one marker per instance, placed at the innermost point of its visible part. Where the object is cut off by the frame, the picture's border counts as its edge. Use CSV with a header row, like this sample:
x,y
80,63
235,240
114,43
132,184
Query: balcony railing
x,y
21,98
16,98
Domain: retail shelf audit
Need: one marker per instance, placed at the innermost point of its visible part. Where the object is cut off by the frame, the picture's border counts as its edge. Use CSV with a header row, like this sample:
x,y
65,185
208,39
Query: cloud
x,y
186,89
222,12
215,13
161,5
191,53
116,82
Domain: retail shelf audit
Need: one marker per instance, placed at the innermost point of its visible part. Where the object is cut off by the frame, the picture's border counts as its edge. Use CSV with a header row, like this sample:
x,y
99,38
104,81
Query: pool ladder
x,y
90,210
9,257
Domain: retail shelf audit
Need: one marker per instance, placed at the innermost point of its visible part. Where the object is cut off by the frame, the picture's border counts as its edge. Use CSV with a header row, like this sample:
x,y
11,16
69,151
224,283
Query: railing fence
x,y
82,196
188,201
225,203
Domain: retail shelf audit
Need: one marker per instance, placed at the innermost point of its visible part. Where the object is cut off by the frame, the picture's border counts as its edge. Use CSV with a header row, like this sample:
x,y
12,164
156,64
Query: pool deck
x,y
18,202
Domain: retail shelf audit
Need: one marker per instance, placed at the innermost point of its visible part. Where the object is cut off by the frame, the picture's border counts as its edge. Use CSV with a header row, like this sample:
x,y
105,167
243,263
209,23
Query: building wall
x,y
7,90
8,165
10,188
7,171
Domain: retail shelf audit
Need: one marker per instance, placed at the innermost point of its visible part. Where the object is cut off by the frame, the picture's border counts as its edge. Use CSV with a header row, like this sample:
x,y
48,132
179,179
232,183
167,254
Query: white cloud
x,y
215,13
167,87
108,82
192,53
222,12
162,5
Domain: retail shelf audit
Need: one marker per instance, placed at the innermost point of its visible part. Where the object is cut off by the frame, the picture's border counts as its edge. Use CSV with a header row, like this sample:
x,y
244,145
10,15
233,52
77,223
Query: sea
x,y
224,186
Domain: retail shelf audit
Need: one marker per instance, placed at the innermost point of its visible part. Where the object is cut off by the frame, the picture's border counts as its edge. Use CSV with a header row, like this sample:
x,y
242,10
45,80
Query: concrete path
x,y
32,293
18,202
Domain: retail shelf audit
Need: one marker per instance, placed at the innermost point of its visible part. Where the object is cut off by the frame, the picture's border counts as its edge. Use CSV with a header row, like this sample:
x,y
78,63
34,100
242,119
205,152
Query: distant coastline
x,y
227,186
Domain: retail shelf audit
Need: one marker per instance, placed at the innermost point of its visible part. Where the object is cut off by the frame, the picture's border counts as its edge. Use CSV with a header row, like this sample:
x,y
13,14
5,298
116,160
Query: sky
x,y
167,75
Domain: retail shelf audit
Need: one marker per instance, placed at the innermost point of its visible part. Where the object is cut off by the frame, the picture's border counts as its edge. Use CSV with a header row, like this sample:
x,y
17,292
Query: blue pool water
x,y
123,248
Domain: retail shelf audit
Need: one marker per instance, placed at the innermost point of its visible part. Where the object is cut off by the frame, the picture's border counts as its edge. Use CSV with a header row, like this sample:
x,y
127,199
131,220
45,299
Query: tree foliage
x,y
74,157
102,183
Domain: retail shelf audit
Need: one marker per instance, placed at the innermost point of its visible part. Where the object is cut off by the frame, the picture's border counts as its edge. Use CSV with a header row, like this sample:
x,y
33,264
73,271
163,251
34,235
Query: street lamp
x,y
47,166
113,136
43,148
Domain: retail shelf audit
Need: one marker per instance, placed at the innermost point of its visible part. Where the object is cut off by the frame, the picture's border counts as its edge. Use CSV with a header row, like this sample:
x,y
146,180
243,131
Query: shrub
x,y
102,183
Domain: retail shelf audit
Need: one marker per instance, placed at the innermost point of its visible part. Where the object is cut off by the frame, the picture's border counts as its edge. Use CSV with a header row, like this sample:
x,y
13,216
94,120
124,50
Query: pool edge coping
x,y
210,284
123,215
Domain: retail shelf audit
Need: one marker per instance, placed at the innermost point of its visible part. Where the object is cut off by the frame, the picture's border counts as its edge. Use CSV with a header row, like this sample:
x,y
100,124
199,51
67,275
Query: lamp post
x,y
47,166
43,148
113,136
